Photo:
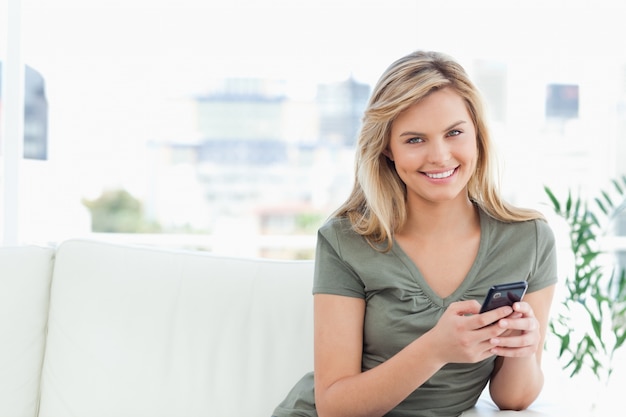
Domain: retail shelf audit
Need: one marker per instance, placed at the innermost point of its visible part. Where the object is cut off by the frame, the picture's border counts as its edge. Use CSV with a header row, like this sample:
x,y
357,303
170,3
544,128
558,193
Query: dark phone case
x,y
504,295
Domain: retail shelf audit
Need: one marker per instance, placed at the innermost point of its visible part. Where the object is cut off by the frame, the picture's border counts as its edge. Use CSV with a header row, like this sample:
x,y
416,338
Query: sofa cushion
x,y
25,274
138,331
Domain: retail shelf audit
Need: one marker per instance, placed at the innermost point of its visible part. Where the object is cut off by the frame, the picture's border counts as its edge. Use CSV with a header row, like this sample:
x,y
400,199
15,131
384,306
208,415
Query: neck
x,y
441,219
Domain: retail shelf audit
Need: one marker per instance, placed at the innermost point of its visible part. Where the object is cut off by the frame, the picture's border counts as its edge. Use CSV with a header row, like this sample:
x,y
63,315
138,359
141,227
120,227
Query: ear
x,y
388,154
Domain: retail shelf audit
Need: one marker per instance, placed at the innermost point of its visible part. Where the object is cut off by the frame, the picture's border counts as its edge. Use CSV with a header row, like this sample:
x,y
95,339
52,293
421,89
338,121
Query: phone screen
x,y
504,295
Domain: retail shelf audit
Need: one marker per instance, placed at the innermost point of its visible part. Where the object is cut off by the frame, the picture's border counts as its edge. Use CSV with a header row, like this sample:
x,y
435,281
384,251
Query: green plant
x,y
117,211
591,323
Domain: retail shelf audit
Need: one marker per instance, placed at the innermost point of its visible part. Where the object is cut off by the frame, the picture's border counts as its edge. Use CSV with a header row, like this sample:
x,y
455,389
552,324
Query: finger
x,y
527,324
517,341
523,308
467,307
513,352
513,344
493,316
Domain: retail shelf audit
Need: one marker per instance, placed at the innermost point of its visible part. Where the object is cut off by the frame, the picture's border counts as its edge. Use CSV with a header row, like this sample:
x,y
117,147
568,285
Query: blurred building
x,y
264,162
341,107
245,158
35,114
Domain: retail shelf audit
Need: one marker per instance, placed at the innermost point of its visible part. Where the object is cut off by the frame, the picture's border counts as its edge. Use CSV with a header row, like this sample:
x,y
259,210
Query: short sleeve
x,y
544,273
333,274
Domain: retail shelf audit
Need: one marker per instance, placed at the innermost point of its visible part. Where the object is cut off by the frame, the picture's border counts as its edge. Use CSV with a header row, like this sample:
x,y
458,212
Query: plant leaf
x,y
607,198
568,205
555,202
599,203
602,295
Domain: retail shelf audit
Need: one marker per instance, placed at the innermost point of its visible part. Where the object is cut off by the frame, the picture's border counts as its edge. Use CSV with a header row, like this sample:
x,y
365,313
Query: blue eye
x,y
415,140
454,132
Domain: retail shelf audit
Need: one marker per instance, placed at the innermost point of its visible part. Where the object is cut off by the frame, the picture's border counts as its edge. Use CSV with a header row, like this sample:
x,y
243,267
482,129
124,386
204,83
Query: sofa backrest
x,y
136,331
25,274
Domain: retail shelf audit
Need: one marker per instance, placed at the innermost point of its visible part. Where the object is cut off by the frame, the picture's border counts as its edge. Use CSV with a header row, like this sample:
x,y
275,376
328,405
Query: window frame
x,y
11,122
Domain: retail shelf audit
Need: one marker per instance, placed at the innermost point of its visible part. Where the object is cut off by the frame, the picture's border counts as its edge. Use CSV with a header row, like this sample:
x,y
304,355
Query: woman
x,y
402,265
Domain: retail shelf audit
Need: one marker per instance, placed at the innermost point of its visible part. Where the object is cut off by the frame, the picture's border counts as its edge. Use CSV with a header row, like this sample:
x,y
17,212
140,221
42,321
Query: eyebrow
x,y
452,126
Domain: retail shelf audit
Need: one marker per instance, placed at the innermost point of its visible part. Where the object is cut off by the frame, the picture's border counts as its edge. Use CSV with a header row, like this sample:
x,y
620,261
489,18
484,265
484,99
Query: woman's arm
x,y
517,379
341,388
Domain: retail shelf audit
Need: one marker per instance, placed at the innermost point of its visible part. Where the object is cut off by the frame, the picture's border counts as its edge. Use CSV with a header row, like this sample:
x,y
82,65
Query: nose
x,y
438,151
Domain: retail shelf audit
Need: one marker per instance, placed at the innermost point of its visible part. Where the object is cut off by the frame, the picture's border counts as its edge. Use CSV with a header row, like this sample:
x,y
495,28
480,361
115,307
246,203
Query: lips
x,y
440,175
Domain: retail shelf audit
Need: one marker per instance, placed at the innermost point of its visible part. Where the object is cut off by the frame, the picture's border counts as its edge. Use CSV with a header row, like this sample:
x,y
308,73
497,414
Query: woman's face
x,y
433,146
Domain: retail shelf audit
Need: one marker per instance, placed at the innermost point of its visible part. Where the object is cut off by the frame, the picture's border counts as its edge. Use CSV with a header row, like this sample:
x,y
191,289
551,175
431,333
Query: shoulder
x,y
533,238
336,271
526,248
338,232
544,231
336,225
535,229
338,236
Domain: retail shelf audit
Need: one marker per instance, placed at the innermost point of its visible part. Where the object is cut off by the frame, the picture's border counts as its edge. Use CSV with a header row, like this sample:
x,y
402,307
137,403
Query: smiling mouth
x,y
440,175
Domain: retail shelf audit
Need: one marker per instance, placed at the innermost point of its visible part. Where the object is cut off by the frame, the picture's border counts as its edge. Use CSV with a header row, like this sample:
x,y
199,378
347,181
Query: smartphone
x,y
504,295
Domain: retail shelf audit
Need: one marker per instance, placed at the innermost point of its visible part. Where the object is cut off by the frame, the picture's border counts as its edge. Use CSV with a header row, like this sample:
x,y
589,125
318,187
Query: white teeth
x,y
440,174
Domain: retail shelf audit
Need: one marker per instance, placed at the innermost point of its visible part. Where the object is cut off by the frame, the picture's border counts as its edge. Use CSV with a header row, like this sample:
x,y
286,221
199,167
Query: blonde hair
x,y
376,206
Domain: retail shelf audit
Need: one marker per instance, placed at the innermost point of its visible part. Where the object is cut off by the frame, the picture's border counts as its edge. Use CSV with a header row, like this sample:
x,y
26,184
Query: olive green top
x,y
400,306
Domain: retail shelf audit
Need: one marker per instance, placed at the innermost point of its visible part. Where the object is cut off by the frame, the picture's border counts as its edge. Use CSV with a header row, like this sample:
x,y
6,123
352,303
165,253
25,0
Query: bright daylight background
x,y
229,125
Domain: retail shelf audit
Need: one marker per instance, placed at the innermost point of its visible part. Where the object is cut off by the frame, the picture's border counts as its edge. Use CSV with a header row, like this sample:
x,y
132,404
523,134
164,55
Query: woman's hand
x,y
520,335
519,348
464,336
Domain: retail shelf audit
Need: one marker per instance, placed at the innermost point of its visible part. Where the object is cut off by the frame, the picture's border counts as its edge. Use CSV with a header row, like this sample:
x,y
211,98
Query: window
x,y
562,101
230,126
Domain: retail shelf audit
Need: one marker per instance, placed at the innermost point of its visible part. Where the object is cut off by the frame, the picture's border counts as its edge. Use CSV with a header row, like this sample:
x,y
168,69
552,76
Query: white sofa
x,y
93,329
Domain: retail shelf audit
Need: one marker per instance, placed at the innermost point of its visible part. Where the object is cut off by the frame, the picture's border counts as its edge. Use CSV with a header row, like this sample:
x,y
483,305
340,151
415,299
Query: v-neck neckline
x,y
467,280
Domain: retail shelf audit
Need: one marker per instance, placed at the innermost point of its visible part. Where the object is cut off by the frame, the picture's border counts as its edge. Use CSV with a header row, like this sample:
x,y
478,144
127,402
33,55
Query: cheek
x,y
406,163
471,153
474,163
403,167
